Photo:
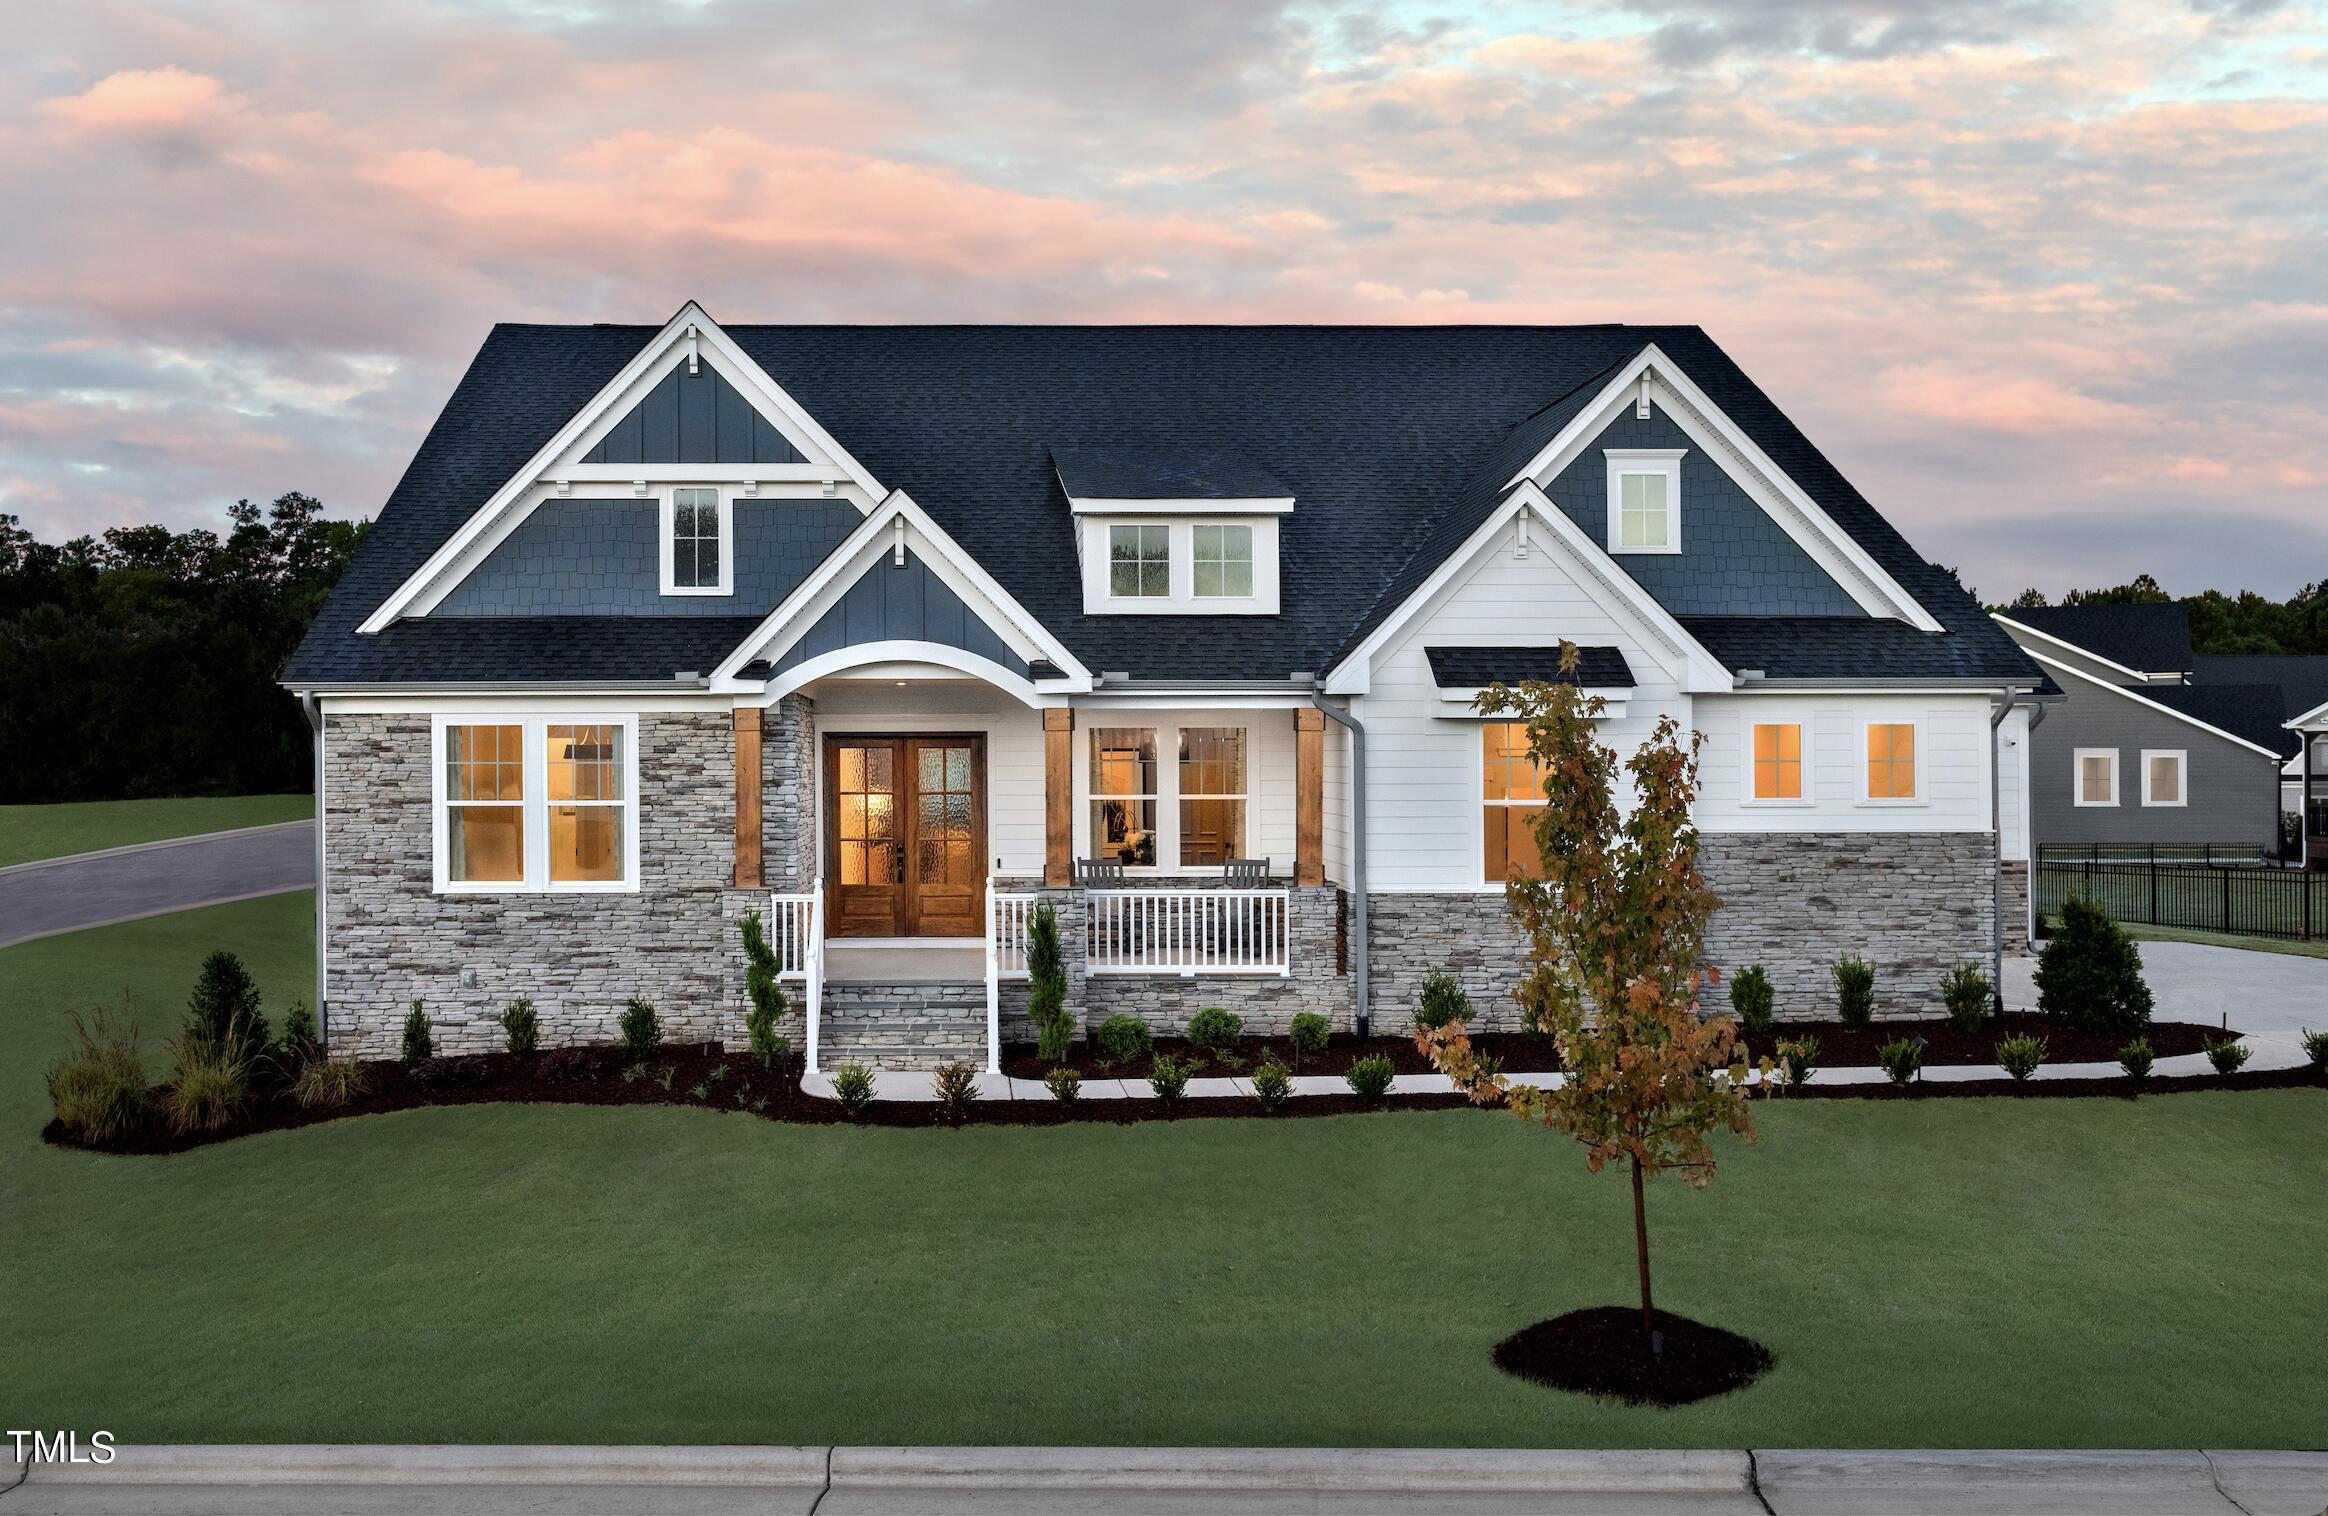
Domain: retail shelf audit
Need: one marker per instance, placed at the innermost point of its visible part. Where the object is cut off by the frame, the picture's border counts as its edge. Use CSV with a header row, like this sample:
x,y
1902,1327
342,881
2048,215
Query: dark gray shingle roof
x,y
2252,711
1164,471
2149,639
2302,678
1464,668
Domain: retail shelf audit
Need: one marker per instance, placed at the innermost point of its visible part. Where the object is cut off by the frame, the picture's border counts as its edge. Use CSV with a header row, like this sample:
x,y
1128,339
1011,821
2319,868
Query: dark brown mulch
x,y
2114,1084
1598,1351
1521,1052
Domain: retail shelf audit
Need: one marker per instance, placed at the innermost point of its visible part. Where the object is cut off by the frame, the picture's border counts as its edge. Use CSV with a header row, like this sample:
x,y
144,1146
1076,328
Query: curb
x,y
1374,1470
147,847
520,1464
169,910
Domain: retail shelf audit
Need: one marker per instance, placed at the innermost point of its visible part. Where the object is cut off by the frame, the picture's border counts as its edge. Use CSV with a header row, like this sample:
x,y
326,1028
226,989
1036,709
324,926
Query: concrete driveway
x,y
154,878
2271,997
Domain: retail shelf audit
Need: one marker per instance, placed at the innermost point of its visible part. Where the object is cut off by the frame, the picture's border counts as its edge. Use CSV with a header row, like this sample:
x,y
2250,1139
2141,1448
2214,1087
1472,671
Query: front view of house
x,y
893,633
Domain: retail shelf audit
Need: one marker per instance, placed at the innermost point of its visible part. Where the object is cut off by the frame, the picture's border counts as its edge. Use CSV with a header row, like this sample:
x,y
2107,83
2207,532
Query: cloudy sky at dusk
x,y
2049,280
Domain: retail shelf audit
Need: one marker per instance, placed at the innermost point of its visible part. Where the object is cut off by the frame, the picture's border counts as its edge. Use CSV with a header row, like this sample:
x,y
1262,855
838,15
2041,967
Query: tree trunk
x,y
1641,1245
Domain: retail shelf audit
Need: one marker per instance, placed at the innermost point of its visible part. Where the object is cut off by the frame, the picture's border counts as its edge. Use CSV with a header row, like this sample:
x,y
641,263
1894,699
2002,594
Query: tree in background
x,y
143,662
2220,623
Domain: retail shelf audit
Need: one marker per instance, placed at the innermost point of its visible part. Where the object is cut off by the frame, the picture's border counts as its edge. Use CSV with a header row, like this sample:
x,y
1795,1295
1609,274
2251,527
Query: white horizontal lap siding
x,y
2013,784
1014,752
1337,804
1952,759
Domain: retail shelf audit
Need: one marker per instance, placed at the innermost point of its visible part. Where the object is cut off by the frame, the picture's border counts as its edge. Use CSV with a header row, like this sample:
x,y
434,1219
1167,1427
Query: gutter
x,y
1361,1016
2012,698
310,707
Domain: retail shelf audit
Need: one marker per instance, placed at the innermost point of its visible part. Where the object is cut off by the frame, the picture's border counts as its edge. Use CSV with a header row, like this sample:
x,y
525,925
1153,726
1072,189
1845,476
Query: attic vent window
x,y
1644,500
697,543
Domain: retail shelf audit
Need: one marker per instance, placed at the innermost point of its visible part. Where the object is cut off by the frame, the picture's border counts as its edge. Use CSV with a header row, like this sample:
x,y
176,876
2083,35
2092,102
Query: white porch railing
x,y
1006,958
1187,932
796,933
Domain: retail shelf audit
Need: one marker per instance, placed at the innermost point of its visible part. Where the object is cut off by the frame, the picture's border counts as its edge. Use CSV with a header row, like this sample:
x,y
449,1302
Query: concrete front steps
x,y
903,1026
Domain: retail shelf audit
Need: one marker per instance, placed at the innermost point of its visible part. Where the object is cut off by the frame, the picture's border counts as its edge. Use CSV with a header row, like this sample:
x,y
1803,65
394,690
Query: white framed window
x,y
698,542
1211,798
1891,769
1511,798
1169,799
2163,776
1125,795
1778,771
2094,776
1223,558
528,804
1139,562
1644,499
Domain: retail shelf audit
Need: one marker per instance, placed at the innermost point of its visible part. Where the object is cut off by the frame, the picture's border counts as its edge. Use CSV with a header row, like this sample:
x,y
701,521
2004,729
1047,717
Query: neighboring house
x,y
2311,730
893,631
2145,750
2302,680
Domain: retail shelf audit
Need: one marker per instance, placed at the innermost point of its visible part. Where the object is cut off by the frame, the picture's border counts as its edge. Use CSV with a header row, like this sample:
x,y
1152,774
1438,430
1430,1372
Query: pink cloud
x,y
140,100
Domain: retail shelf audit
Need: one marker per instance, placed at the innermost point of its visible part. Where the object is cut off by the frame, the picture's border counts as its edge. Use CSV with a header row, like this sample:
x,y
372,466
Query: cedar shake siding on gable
x,y
2234,791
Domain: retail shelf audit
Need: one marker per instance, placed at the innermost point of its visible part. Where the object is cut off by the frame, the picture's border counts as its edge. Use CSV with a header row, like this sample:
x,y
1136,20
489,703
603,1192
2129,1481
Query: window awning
x,y
1474,668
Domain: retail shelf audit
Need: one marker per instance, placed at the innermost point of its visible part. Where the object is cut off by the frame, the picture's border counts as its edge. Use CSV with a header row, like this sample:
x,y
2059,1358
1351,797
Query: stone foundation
x,y
1470,936
2014,876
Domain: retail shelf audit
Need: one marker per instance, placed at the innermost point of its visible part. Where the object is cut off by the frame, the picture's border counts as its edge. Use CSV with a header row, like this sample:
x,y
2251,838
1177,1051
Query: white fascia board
x,y
2125,693
2017,630
956,569
1784,501
1612,699
2316,718
1211,505
1697,671
494,520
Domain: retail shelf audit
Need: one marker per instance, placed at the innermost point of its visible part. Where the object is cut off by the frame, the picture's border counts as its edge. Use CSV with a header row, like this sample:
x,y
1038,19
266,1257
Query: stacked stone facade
x,y
2015,879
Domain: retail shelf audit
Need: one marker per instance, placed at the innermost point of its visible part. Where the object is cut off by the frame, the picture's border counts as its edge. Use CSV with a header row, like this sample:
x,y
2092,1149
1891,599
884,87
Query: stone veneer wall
x,y
2016,882
1471,936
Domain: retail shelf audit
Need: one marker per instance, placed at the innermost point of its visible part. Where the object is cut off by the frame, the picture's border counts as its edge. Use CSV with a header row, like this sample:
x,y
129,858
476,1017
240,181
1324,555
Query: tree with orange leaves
x,y
1616,927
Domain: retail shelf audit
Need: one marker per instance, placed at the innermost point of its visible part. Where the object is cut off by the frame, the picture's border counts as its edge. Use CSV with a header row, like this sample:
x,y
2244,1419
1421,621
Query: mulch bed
x,y
594,1076
1598,1351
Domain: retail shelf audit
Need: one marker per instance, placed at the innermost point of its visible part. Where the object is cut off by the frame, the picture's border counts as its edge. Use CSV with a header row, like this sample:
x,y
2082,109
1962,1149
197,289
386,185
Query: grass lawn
x,y
29,832
2314,949
1970,1273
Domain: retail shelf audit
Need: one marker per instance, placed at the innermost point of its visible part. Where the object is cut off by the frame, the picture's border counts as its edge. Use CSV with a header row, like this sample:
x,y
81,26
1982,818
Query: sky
x,y
2048,280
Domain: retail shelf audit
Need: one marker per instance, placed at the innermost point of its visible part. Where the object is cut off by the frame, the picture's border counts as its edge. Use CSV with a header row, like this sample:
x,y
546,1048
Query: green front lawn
x,y
1972,1273
29,832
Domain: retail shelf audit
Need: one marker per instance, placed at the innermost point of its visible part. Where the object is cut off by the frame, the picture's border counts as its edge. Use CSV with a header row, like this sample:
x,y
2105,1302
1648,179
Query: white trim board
x,y
2011,626
2164,710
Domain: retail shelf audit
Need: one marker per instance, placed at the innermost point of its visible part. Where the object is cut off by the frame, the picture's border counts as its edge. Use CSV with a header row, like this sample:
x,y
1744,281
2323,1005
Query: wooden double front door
x,y
905,836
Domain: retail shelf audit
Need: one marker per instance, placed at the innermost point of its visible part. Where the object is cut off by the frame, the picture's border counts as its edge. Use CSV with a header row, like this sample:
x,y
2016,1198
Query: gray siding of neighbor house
x,y
1734,560
901,604
693,418
601,558
2234,791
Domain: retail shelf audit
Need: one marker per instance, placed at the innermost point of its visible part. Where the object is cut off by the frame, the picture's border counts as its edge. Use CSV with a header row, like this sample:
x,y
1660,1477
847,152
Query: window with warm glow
x,y
1123,794
585,803
485,804
1778,760
1513,798
1212,795
538,803
1891,760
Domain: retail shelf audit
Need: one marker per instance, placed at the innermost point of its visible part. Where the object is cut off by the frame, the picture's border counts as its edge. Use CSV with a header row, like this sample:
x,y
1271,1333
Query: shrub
x,y
2316,1048
1798,1060
419,1040
1047,985
1126,1037
1168,1079
956,1085
853,1087
99,1088
766,994
1272,1083
640,1029
1443,1001
328,1082
1310,1034
449,1073
1215,1028
2136,1058
300,1040
210,1085
1854,990
1967,993
1369,1078
1065,1085
2089,976
1902,1058
1751,998
521,1027
2227,1055
223,1011
2020,1056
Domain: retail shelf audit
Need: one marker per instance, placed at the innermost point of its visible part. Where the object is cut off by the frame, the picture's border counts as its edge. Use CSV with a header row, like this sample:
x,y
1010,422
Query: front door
x,y
905,836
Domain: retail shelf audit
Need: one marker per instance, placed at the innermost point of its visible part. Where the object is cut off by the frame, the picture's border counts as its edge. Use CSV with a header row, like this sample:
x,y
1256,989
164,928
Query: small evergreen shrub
x,y
1967,993
853,1087
956,1086
1047,985
2136,1059
210,1085
1126,1038
1065,1085
1369,1078
640,1029
2020,1056
1215,1029
2316,1048
1168,1079
328,1082
223,1011
761,986
1751,998
300,1039
1443,1001
2227,1055
1272,1083
521,1029
2089,976
1854,991
1310,1034
1902,1058
99,1088
449,1073
1797,1059
419,1039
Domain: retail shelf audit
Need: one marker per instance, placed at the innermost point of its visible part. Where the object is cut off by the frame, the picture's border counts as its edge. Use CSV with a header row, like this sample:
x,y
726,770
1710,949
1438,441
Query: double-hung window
x,y
1223,562
1892,763
1139,565
1644,499
698,540
2162,776
1124,794
2095,775
1212,795
1513,798
536,803
1170,797
1776,759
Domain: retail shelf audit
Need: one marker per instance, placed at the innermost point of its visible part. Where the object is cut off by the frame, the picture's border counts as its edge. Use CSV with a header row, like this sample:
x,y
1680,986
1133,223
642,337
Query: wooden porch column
x,y
748,720
1058,796
1309,796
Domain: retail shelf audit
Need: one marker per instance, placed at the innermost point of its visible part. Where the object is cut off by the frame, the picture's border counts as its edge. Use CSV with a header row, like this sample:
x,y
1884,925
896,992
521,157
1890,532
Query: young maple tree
x,y
1616,925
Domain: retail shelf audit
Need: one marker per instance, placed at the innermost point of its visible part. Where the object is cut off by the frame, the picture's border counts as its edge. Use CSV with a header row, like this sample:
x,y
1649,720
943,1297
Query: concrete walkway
x,y
2272,997
1122,1481
153,879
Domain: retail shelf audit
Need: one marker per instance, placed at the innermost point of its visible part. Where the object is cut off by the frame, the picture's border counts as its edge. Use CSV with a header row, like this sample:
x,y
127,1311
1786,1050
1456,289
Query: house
x,y
2302,680
2153,745
892,633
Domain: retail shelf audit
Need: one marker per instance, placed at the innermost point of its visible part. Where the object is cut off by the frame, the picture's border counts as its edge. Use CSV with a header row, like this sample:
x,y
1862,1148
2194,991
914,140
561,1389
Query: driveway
x,y
153,879
2269,996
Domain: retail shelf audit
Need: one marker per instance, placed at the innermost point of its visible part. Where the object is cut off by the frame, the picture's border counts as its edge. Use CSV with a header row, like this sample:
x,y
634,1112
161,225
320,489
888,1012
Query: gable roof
x,y
2149,639
2252,712
1146,471
2301,678
1383,435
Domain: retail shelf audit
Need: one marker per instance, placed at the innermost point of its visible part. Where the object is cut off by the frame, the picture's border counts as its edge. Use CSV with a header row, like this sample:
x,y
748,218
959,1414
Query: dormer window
x,y
1139,562
1224,562
1644,500
698,539
1167,529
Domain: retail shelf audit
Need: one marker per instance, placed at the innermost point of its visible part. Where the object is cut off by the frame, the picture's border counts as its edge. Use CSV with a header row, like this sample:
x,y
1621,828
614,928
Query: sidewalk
x,y
1170,1481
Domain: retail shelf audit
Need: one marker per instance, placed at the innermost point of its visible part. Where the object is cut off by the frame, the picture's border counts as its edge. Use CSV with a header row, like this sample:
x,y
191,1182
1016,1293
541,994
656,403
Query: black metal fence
x,y
2250,897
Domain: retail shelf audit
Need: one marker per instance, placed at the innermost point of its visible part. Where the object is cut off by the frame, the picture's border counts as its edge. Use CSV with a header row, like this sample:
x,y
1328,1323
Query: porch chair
x,y
1248,871
1099,871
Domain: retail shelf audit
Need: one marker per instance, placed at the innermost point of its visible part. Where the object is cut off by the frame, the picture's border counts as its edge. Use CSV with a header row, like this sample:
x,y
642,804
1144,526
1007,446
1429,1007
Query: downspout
x,y
1357,731
1997,830
310,707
